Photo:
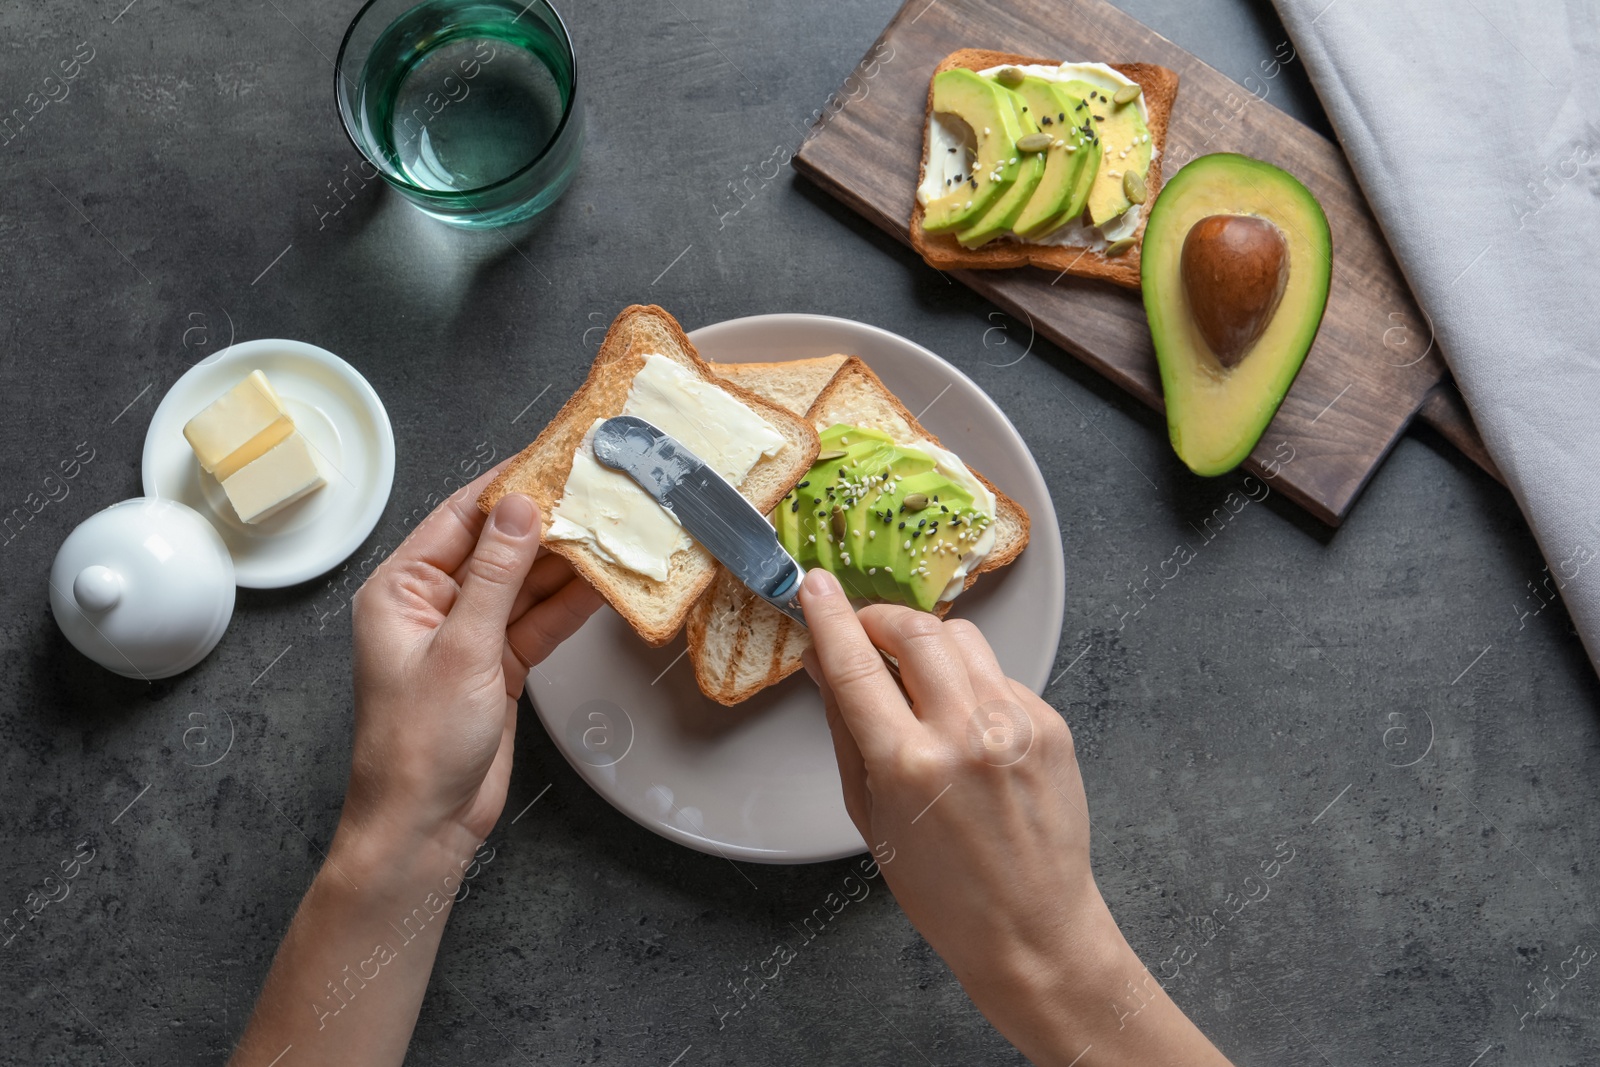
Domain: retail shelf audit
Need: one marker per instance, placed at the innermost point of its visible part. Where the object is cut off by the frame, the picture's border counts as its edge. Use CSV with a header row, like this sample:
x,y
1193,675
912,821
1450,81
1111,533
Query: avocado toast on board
x,y
1035,162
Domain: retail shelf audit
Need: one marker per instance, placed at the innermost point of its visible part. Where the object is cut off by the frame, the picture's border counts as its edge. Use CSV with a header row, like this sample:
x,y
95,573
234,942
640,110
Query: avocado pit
x,y
1234,270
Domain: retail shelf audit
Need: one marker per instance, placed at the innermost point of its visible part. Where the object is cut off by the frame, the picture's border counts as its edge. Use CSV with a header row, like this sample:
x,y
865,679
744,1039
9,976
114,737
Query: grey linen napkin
x,y
1474,128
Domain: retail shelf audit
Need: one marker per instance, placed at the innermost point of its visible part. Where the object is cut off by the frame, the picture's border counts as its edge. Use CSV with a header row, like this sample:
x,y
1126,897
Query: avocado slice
x,y
996,121
1003,213
1119,128
901,524
1069,166
1235,269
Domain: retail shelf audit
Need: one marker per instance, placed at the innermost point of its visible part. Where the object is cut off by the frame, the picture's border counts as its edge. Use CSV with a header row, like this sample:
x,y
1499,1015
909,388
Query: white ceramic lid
x,y
143,588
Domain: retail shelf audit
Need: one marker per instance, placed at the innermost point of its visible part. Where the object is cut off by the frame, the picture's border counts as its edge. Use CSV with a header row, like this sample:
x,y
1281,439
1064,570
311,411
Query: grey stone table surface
x,y
1382,703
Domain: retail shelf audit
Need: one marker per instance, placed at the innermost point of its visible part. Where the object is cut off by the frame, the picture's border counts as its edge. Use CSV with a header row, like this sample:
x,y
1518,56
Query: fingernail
x,y
514,515
820,583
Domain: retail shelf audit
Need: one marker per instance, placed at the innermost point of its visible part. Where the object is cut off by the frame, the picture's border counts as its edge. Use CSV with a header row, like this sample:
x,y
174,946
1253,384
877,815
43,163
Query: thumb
x,y
495,572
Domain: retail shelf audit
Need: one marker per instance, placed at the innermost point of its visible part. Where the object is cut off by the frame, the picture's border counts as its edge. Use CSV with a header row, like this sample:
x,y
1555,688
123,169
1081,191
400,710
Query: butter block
x,y
274,480
239,426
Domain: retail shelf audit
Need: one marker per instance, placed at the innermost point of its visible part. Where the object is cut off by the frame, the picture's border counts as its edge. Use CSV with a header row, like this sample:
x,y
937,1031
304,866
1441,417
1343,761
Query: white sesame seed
x,y
907,544
872,533
872,570
986,131
812,538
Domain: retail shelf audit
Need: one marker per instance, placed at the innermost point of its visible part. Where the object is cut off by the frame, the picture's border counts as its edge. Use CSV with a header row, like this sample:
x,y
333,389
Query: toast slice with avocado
x,y
738,643
1114,261
656,609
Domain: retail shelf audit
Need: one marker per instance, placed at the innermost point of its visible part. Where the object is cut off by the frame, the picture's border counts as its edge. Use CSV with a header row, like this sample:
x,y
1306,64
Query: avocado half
x,y
1235,267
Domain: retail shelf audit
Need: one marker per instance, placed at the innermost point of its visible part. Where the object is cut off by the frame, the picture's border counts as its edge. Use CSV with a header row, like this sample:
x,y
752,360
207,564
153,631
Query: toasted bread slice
x,y
943,252
738,643
654,608
792,384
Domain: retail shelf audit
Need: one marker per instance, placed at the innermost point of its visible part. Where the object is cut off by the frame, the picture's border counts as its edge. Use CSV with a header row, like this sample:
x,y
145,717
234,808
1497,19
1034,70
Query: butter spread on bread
x,y
1119,131
617,519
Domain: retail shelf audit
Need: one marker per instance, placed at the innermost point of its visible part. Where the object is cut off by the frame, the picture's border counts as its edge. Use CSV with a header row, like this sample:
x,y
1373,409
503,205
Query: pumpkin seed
x,y
838,525
830,453
917,501
1127,94
1034,142
1010,77
1133,187
1116,248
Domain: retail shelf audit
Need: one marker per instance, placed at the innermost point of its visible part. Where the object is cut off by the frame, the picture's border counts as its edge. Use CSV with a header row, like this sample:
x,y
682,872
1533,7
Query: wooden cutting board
x,y
1363,380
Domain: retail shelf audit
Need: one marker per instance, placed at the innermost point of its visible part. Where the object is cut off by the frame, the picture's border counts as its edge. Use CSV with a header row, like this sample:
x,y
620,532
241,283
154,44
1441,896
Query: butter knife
x,y
713,511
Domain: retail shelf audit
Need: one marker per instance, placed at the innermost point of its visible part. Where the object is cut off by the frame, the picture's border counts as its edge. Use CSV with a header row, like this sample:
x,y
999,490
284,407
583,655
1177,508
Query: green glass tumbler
x,y
469,108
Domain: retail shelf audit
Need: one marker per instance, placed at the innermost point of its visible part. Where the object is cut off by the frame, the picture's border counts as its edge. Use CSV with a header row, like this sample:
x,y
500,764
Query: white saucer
x,y
759,781
342,419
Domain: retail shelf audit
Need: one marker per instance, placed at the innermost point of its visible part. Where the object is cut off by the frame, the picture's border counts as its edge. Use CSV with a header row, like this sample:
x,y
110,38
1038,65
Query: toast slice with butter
x,y
655,608
738,643
943,251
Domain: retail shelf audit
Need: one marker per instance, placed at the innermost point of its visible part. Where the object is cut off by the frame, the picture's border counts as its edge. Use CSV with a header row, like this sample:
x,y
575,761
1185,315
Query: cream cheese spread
x,y
609,512
949,464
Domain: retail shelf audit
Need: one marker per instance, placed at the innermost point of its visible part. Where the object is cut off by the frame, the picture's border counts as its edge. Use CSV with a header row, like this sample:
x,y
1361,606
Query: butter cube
x,y
239,426
274,480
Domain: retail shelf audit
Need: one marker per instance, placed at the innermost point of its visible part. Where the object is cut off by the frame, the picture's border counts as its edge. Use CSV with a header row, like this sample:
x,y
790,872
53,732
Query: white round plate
x,y
758,781
342,419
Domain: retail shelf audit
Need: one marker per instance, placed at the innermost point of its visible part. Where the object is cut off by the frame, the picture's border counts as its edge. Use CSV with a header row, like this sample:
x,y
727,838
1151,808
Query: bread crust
x,y
655,609
943,252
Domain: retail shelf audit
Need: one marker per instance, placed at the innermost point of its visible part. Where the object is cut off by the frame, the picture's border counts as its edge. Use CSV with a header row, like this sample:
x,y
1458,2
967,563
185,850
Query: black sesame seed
x,y
1046,121
805,483
902,526
944,509
922,522
795,507
952,150
1099,118
974,183
1062,117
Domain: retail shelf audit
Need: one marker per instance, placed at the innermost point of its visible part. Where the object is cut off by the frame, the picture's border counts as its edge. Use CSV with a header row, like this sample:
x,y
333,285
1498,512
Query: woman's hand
x,y
445,632
967,776
966,787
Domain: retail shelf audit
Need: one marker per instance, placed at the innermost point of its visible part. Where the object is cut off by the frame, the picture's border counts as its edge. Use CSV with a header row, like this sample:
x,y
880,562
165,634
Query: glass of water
x,y
469,108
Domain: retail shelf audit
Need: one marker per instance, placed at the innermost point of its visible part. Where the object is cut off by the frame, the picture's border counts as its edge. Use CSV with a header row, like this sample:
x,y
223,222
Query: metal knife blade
x,y
713,511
